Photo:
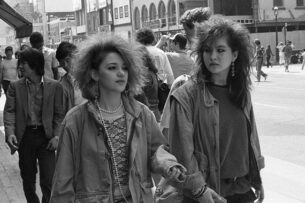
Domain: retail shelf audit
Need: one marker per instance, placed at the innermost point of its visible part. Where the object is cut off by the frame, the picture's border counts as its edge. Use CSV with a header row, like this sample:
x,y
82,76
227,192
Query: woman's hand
x,y
260,194
176,173
210,196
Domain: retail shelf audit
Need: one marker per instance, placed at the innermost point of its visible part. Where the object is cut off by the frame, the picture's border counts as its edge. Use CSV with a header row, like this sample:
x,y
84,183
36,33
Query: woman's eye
x,y
111,67
221,50
124,68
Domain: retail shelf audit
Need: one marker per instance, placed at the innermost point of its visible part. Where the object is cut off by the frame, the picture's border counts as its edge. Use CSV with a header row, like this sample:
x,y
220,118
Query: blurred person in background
x,y
193,18
280,47
259,56
180,61
303,59
51,64
151,84
8,69
269,54
66,56
287,54
110,145
146,37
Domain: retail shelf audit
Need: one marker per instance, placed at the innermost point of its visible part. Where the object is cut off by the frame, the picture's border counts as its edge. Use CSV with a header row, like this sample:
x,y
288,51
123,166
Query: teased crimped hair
x,y
92,53
238,39
196,15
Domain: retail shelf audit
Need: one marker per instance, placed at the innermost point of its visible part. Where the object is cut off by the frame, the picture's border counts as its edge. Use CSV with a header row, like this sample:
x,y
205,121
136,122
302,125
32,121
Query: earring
x,y
232,69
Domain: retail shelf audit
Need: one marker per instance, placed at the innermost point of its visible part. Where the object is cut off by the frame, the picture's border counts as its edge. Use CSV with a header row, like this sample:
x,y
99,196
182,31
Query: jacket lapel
x,y
46,92
24,96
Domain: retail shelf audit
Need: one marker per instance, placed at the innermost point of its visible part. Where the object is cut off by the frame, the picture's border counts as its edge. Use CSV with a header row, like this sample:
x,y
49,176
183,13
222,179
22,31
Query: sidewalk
x,y
10,180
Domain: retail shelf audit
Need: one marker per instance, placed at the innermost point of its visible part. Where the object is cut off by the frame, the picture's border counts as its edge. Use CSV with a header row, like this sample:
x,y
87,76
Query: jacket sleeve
x,y
9,114
59,112
182,145
63,179
161,161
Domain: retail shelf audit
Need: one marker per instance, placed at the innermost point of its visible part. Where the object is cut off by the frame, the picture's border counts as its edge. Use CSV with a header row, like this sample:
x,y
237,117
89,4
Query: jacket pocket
x,y
92,198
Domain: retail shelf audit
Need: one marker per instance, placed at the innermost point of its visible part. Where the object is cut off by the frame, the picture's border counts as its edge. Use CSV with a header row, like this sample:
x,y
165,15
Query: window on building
x,y
300,3
121,11
116,13
278,3
126,10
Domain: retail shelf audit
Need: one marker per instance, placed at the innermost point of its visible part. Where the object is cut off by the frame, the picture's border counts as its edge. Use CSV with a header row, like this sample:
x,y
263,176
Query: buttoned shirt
x,y
35,101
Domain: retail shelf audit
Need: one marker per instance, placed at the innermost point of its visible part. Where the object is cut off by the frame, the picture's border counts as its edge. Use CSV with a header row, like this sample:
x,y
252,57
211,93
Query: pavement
x,y
283,178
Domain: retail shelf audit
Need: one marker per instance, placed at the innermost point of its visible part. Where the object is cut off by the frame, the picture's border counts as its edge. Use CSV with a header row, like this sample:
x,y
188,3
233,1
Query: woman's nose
x,y
213,54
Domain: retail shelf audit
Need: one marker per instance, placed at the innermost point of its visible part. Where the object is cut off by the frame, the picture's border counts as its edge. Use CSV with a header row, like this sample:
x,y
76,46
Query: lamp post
x,y
275,9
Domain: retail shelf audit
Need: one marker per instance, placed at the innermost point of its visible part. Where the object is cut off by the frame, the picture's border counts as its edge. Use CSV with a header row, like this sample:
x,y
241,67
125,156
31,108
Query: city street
x,y
279,107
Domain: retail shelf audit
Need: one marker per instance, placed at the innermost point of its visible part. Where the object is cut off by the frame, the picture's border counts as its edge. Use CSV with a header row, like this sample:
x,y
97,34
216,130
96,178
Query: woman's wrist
x,y
198,193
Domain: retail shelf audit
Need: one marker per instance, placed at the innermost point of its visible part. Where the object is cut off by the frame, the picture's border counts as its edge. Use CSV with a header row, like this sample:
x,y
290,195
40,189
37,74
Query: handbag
x,y
163,92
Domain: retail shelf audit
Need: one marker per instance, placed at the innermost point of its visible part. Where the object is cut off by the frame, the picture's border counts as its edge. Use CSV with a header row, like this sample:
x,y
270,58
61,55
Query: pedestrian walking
x,y
280,47
110,145
66,56
287,54
212,128
303,59
8,69
32,117
259,56
269,54
51,64
181,62
146,37
151,85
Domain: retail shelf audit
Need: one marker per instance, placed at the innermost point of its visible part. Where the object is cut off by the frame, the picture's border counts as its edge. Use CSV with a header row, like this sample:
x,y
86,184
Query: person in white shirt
x,y
146,37
181,62
8,69
51,63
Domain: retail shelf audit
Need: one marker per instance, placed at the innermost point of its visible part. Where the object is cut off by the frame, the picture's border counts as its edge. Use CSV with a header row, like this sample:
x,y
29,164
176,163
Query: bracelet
x,y
201,192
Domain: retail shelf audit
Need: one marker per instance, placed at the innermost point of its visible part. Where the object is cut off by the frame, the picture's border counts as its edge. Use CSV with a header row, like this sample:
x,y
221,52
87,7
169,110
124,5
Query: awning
x,y
23,27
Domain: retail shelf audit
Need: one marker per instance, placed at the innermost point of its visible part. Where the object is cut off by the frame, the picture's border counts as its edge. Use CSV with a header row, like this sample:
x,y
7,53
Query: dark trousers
x,y
5,84
31,149
268,61
259,64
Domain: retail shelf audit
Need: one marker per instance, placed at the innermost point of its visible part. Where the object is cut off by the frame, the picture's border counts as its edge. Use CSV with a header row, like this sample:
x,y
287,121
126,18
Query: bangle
x,y
201,192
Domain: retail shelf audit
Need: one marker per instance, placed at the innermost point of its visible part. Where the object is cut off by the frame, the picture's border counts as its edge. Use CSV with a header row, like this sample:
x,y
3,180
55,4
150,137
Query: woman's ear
x,y
235,55
94,75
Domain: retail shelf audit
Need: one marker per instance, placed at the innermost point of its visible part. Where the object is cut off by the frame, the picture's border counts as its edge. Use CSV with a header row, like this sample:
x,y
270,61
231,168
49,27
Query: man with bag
x,y
165,73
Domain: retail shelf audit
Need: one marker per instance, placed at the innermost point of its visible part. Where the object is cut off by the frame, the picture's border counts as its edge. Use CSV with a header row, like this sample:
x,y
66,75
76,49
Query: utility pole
x,y
44,23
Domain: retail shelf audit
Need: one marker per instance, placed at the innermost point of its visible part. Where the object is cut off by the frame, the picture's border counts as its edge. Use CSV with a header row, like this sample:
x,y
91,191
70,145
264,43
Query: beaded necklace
x,y
111,146
109,111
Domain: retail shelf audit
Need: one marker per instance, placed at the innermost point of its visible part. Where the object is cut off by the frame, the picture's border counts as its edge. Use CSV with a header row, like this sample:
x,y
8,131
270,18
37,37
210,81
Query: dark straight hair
x,y
34,58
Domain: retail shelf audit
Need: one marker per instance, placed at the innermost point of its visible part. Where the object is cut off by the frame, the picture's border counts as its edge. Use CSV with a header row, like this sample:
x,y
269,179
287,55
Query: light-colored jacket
x,y
194,137
83,170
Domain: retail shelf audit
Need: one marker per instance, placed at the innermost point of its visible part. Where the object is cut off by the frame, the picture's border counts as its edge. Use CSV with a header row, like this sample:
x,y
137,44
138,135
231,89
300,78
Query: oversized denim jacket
x,y
83,169
194,137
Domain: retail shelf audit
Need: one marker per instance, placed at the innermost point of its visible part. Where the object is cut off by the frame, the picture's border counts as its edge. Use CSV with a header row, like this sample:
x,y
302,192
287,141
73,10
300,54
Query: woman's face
x,y
112,74
218,57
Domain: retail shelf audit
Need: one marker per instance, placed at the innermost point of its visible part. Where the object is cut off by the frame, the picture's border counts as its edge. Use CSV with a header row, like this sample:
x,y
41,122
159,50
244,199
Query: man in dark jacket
x,y
32,117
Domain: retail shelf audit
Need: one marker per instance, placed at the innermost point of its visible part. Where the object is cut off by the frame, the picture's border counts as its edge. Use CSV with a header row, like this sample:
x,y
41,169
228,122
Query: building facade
x,y
122,18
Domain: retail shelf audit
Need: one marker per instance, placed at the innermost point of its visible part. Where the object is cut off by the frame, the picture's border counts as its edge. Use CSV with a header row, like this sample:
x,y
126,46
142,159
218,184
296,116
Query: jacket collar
x,y
131,105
